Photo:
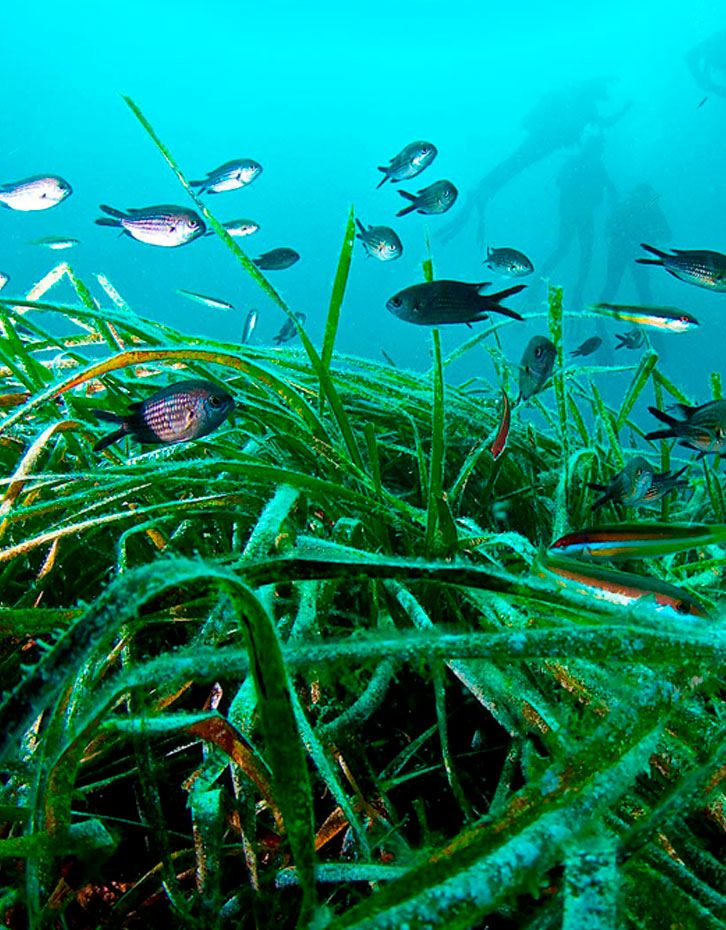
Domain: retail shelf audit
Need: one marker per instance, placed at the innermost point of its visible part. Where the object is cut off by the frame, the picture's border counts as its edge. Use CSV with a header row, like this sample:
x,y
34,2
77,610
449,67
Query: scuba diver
x,y
635,218
707,63
558,121
583,183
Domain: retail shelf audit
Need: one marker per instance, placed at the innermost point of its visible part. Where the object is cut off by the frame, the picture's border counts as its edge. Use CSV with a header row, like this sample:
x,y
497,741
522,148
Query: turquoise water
x,y
320,95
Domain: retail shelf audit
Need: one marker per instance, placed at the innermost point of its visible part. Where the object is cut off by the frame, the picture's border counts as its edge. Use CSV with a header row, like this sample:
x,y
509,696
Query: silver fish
x,y
230,176
276,259
380,242
204,299
179,412
436,198
250,326
410,161
164,225
536,366
436,302
41,192
694,266
239,228
56,243
510,262
288,330
702,428
630,486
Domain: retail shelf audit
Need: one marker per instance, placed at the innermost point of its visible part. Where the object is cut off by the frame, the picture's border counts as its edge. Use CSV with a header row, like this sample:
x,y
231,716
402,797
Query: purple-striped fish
x,y
179,412
165,225
41,192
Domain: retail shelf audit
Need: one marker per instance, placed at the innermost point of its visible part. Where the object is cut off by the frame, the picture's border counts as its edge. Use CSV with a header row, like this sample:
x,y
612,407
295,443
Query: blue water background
x,y
322,93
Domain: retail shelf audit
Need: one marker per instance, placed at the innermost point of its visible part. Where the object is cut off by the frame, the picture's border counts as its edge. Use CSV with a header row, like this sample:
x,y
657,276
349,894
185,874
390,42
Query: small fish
x,y
670,318
694,266
380,242
165,225
633,339
230,176
702,429
587,347
288,330
179,412
277,259
510,262
57,243
500,440
536,366
409,162
207,301
41,192
439,302
703,100
664,483
436,198
239,228
250,326
618,587
638,541
628,487
4,278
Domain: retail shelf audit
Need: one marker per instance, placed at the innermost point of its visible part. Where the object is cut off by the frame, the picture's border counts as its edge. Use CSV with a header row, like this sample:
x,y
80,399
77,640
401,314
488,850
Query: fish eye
x,y
215,401
681,607
191,222
396,301
538,351
684,319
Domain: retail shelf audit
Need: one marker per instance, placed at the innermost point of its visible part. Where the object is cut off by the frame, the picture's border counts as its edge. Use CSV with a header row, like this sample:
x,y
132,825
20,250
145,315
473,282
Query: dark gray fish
x,y
694,266
230,176
629,487
288,330
179,412
633,339
41,192
510,262
439,302
250,326
165,225
380,242
277,259
536,366
663,483
436,198
409,162
702,428
587,347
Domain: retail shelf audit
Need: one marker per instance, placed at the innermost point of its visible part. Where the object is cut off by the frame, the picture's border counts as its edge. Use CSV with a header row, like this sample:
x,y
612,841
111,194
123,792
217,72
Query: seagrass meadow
x,y
315,670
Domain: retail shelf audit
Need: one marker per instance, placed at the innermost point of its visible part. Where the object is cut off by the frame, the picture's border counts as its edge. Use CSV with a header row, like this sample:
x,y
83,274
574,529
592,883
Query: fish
x,y
380,242
618,587
510,262
536,366
702,429
633,339
410,161
670,318
587,347
638,540
436,198
204,299
250,325
288,330
238,228
164,225
500,440
230,176
441,302
178,412
628,487
277,259
664,483
701,267
41,192
56,243
4,278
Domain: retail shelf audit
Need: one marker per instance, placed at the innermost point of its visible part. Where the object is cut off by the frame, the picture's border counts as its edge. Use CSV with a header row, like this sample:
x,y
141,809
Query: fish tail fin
x,y
361,227
197,183
602,500
112,211
411,207
385,176
653,251
664,417
110,439
597,487
406,210
501,295
575,353
107,221
493,302
108,417
622,342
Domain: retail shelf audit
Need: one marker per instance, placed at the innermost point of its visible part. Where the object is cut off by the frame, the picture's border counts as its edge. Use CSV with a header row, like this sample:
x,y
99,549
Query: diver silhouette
x,y
635,218
707,63
583,183
557,121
